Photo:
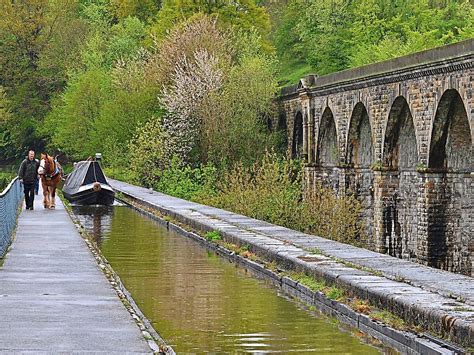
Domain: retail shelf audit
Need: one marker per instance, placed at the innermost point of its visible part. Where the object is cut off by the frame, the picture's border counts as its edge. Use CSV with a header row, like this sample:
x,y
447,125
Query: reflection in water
x,y
199,302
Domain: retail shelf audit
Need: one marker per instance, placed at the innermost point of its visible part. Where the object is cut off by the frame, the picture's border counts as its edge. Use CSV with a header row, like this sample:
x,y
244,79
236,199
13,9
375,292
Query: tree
x,y
34,50
242,14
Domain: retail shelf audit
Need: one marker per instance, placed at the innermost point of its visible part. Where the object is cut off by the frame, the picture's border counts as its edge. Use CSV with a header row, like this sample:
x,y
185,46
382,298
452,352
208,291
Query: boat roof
x,y
84,173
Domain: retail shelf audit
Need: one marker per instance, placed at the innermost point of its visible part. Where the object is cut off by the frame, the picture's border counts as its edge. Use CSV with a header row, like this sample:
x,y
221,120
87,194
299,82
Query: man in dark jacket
x,y
28,174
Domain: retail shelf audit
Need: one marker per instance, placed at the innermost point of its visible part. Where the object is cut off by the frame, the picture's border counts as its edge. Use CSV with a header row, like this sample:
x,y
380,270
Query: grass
x,y
307,281
335,294
213,236
388,318
292,70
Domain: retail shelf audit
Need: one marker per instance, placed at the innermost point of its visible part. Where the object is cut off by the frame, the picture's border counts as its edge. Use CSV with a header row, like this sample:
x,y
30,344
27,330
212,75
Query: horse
x,y
51,175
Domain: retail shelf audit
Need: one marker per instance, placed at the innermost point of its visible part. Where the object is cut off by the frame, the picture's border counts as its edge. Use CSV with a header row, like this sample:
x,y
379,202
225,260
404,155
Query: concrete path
x,y
436,299
53,296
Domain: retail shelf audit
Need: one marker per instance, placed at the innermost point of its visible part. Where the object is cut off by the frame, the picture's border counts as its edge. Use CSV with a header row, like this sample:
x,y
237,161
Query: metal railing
x,y
10,199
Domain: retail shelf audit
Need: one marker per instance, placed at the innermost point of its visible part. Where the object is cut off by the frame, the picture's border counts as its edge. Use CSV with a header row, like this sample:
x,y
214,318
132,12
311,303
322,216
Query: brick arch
x,y
400,143
297,136
451,134
328,147
359,145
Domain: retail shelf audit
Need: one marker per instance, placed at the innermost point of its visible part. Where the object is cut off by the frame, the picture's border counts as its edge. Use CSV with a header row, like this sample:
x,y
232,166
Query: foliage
x,y
29,32
72,121
242,14
142,9
186,182
5,179
217,88
6,140
147,157
331,216
270,190
332,35
212,236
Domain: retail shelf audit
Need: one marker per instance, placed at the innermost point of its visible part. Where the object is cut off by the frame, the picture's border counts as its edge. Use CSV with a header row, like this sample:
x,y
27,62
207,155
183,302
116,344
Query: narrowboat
x,y
87,185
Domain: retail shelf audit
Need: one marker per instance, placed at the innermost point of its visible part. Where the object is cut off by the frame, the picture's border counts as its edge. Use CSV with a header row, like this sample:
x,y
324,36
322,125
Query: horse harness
x,y
55,172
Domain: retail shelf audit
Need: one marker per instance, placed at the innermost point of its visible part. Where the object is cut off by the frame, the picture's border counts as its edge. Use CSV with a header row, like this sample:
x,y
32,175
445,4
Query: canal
x,y
199,302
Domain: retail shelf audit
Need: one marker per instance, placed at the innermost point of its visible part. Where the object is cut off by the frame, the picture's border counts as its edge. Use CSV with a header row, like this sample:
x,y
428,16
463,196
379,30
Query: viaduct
x,y
399,135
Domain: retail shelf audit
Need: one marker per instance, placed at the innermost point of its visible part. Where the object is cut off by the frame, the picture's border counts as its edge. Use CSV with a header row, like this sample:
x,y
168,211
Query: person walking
x,y
28,174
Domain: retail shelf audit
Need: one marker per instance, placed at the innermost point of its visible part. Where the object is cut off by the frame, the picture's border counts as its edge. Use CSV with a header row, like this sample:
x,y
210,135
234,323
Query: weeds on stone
x,y
335,294
388,318
360,306
213,236
307,281
272,266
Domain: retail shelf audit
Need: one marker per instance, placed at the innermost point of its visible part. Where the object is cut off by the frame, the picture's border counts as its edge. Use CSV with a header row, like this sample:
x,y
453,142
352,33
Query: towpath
x,y
54,297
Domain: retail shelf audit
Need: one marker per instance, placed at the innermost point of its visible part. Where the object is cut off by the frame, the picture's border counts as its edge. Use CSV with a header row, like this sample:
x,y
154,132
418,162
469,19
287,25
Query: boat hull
x,y
91,197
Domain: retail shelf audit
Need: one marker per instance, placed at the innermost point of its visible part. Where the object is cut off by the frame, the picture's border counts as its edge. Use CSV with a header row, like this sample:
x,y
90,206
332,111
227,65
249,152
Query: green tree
x,y
243,14
142,9
37,40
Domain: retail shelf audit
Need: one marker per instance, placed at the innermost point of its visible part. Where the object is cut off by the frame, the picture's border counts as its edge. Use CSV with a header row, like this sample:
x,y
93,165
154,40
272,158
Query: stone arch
x,y
448,192
360,150
297,144
359,157
397,185
328,148
282,131
400,147
451,139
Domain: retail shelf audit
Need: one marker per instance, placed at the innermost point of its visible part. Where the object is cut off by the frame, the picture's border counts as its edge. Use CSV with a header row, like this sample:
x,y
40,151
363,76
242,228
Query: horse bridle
x,y
48,176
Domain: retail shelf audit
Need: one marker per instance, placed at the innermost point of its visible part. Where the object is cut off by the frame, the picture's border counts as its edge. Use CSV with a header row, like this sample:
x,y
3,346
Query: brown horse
x,y
50,173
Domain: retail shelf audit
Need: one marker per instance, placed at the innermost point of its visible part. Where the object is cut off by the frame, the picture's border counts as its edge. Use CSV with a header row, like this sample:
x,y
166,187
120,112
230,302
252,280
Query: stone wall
x,y
398,134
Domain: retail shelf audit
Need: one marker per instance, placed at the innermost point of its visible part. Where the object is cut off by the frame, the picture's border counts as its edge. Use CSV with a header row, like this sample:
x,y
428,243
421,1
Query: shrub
x,y
270,190
5,179
187,182
331,216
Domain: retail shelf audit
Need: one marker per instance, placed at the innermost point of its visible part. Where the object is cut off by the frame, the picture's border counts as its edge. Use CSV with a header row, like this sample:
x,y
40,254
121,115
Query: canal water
x,y
199,302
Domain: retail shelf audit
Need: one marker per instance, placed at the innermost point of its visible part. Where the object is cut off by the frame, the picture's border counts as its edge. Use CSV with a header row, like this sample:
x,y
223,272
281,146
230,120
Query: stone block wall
x,y
402,140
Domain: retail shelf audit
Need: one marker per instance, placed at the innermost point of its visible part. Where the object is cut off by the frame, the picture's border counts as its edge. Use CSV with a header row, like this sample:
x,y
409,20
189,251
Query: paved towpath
x,y
53,296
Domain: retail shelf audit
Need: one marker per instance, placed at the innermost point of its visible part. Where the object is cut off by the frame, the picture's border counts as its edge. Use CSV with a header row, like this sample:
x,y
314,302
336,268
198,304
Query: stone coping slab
x,y
53,296
443,307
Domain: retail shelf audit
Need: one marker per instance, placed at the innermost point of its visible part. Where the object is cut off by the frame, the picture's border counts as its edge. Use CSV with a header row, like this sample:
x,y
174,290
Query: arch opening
x,y
451,141
400,157
400,151
448,184
328,152
297,144
359,156
359,144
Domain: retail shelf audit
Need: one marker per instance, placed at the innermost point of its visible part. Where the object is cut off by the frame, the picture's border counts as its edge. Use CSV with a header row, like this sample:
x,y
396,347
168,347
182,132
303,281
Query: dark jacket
x,y
28,171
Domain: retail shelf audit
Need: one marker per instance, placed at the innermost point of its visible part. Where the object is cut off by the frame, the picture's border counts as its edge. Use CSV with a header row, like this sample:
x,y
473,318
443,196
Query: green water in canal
x,y
199,302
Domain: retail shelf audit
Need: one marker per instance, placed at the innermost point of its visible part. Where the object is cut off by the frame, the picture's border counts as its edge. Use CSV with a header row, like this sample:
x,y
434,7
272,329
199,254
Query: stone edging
x,y
156,343
403,341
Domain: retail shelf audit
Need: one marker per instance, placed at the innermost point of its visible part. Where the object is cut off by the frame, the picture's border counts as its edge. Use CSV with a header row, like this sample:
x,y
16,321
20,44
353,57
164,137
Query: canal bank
x,y
406,289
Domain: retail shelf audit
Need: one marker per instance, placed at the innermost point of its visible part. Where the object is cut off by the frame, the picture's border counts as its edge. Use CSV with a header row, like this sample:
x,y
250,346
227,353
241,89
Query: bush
x,y
5,179
327,215
270,190
187,182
